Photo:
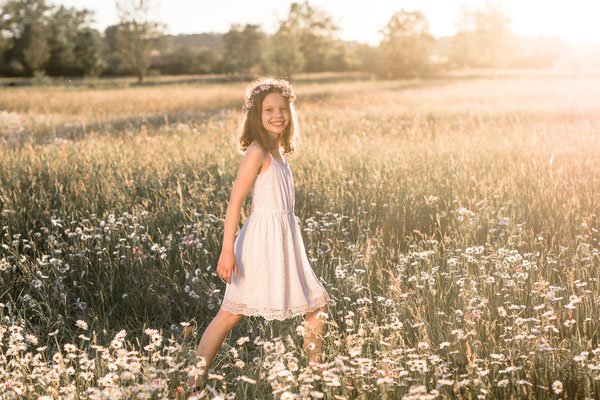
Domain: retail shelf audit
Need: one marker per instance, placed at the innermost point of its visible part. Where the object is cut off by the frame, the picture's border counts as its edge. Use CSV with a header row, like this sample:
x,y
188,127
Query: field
x,y
454,223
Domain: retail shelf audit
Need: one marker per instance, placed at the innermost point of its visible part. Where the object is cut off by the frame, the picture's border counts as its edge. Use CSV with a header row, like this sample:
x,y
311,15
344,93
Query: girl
x,y
272,277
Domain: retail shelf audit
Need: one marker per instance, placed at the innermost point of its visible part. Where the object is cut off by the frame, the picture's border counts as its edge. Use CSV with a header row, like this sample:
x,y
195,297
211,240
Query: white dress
x,y
275,279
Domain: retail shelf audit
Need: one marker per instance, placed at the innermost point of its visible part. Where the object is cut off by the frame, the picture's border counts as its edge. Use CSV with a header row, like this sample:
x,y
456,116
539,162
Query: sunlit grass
x,y
454,224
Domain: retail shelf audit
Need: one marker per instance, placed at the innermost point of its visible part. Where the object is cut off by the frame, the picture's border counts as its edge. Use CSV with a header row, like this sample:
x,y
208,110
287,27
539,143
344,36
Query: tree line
x,y
37,38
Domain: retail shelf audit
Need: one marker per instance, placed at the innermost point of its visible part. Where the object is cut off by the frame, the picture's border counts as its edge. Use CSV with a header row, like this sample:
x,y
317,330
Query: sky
x,y
572,20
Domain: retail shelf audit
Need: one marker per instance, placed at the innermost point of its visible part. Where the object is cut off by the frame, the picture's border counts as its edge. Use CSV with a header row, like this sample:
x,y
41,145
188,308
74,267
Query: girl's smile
x,y
275,113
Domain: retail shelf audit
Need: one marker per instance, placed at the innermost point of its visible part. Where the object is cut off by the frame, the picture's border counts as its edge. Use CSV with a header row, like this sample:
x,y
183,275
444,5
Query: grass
x,y
453,222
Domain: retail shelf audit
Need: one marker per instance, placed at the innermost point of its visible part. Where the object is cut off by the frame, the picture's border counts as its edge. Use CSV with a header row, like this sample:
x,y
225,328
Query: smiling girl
x,y
265,267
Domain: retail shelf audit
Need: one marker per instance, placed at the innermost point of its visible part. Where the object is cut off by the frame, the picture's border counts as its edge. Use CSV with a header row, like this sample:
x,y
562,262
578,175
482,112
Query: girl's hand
x,y
227,263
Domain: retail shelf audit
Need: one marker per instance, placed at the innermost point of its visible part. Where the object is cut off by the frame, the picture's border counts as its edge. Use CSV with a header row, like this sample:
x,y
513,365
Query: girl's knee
x,y
230,318
315,313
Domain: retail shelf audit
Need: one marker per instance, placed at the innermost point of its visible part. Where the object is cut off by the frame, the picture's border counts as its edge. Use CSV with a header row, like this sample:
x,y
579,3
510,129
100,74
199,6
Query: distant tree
x,y
315,30
113,62
5,45
338,59
405,49
188,60
88,52
136,37
36,50
362,56
244,49
484,38
71,40
286,58
24,30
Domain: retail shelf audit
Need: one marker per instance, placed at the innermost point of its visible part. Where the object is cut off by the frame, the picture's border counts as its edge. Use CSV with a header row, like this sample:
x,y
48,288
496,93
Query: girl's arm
x,y
246,176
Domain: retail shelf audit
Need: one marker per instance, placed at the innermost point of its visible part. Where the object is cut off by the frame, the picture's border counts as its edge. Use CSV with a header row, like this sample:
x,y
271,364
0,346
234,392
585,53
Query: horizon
x,y
362,22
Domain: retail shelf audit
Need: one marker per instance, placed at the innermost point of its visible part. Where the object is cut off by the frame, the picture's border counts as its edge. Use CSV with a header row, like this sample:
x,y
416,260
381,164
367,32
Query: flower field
x,y
453,222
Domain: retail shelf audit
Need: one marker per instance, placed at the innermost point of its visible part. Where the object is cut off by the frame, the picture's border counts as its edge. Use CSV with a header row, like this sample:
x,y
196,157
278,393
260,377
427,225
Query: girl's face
x,y
275,114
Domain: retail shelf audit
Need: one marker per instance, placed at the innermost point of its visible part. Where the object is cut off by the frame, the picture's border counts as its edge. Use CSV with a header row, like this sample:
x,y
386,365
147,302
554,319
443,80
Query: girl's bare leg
x,y
211,341
313,335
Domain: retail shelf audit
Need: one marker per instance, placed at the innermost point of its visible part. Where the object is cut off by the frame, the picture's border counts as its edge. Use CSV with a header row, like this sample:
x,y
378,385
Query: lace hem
x,y
270,314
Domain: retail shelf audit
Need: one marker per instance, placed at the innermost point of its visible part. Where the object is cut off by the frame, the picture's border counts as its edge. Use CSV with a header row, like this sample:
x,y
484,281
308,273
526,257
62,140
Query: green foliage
x,y
314,30
75,46
286,55
41,79
36,50
404,51
188,60
244,50
26,23
88,52
136,36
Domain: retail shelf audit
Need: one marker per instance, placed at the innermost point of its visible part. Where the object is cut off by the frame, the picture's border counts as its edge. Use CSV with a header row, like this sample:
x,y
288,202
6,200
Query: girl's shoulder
x,y
256,148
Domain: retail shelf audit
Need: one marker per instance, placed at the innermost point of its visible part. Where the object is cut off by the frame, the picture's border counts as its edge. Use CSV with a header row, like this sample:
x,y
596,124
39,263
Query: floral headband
x,y
283,85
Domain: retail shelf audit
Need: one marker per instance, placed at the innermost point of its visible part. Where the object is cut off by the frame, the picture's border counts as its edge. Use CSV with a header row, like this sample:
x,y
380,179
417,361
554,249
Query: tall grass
x,y
454,224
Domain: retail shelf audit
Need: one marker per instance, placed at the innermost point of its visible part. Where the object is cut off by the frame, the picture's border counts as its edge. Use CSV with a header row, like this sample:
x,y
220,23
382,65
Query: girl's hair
x,y
251,128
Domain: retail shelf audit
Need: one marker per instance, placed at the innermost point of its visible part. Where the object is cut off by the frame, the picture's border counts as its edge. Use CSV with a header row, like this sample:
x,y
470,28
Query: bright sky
x,y
572,20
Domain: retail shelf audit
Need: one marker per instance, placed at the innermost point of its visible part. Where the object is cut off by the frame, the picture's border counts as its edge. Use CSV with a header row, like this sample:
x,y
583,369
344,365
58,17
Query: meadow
x,y
454,223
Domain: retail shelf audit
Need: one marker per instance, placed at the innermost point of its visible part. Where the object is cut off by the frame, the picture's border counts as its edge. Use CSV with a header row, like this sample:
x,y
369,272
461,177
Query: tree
x,y
315,31
24,24
137,36
286,56
36,50
188,60
484,38
244,49
74,45
405,49
88,52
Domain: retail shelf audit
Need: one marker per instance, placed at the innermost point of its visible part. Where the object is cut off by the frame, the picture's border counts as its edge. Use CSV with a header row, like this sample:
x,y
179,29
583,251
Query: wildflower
x,y
242,340
581,357
151,332
503,383
557,386
293,366
70,348
216,376
82,324
196,372
300,330
569,322
246,379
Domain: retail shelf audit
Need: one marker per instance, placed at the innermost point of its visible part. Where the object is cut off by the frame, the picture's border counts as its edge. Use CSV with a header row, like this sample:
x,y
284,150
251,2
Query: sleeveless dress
x,y
275,279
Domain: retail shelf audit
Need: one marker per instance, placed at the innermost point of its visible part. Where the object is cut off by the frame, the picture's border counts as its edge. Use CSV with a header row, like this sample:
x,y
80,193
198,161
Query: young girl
x,y
266,268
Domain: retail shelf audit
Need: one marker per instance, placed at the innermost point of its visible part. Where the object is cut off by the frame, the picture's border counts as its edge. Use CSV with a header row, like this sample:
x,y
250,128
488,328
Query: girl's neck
x,y
273,145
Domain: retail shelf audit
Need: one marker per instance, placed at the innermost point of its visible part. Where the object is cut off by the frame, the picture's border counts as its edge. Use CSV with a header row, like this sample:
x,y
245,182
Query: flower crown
x,y
286,91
